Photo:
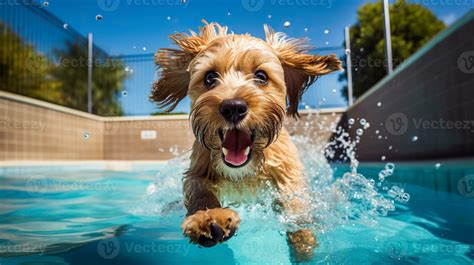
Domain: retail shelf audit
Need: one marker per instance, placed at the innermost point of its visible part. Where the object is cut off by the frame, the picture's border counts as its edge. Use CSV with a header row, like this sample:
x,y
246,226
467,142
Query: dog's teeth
x,y
247,150
225,151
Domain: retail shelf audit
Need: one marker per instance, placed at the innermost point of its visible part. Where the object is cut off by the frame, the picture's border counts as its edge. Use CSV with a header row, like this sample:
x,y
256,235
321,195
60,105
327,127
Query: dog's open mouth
x,y
236,146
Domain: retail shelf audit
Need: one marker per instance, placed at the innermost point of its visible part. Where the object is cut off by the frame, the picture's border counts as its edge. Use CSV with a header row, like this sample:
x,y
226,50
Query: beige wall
x,y
30,131
34,130
123,141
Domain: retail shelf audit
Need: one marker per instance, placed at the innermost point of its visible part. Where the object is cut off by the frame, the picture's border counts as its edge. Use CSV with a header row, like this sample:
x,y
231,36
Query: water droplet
x,y
363,121
390,147
65,26
334,91
128,68
366,126
168,18
379,104
390,166
382,176
305,29
351,121
86,136
45,3
437,165
376,131
362,49
414,138
380,137
269,16
286,24
359,131
327,43
124,93
144,48
98,17
228,13
134,47
383,158
326,31
348,51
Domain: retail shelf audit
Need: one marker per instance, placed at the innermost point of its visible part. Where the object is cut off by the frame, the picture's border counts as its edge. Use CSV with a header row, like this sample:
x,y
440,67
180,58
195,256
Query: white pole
x,y
349,66
89,74
388,37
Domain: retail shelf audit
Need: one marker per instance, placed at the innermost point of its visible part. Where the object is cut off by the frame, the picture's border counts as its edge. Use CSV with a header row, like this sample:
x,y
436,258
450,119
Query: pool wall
x,y
425,109
31,129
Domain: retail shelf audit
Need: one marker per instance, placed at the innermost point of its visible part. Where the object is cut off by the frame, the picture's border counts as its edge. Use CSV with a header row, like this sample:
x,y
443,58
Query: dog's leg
x,y
294,200
302,242
206,223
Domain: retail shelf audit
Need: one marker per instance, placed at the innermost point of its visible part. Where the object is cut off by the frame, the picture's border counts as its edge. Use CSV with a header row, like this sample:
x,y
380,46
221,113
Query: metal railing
x,y
44,58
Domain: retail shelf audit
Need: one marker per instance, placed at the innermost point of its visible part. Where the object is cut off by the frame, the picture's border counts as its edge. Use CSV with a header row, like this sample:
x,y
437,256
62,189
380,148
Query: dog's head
x,y
240,88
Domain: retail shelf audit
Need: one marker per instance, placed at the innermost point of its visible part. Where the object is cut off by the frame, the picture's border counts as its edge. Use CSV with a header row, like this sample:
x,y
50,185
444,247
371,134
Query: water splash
x,y
350,199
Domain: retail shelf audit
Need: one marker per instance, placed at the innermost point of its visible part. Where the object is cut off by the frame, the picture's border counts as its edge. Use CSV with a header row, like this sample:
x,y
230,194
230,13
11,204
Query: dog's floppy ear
x,y
173,82
300,68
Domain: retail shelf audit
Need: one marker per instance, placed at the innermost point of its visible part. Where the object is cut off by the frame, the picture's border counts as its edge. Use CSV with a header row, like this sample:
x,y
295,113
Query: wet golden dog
x,y
239,87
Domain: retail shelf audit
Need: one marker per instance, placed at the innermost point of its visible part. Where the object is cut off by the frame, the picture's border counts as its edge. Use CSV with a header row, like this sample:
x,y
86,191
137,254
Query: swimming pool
x,y
89,215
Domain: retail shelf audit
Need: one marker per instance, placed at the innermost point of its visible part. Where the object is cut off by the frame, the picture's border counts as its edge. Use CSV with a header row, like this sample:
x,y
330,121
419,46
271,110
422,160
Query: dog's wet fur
x,y
241,89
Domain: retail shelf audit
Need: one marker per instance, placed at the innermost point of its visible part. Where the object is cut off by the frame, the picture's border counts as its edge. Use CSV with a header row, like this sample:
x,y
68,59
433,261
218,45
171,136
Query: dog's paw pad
x,y
210,227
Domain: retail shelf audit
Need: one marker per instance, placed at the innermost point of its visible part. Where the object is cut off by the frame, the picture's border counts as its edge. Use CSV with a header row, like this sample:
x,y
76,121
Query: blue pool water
x,y
71,215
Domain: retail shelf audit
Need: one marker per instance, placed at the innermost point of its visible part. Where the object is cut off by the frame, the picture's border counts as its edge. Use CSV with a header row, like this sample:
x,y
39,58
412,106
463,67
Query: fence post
x,y
89,73
388,37
349,66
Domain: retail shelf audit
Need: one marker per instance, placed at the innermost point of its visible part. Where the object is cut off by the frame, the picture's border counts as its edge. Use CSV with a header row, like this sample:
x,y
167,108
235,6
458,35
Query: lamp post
x,y
388,37
349,66
89,73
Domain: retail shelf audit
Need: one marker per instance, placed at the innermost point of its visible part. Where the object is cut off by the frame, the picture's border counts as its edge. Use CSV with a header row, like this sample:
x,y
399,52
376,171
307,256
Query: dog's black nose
x,y
234,110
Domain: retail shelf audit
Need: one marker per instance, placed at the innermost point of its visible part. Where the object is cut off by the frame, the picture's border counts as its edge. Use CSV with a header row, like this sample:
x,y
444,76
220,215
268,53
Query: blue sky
x,y
127,26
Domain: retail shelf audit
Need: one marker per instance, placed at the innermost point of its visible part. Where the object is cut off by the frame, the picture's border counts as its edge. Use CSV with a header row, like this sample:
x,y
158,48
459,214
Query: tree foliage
x,y
412,26
60,78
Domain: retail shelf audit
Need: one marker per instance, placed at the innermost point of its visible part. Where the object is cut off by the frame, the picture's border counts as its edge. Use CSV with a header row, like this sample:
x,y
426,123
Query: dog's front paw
x,y
211,226
302,243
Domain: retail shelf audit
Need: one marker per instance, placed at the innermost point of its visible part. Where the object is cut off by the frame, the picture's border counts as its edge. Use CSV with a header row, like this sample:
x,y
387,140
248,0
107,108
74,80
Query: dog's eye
x,y
210,79
261,77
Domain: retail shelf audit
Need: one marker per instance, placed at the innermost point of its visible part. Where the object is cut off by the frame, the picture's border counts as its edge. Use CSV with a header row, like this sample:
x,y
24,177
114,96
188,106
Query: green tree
x,y
107,80
24,71
60,78
412,26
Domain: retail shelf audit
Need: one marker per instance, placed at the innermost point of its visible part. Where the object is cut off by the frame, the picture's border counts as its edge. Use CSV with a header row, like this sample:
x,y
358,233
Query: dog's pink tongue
x,y
236,141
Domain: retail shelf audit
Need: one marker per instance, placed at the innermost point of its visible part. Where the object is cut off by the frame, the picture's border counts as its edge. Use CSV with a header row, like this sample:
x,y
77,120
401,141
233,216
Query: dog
x,y
241,88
